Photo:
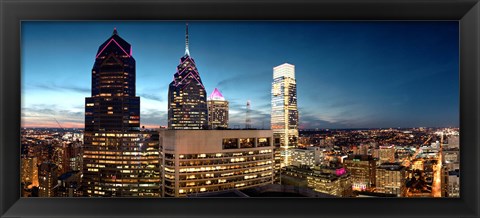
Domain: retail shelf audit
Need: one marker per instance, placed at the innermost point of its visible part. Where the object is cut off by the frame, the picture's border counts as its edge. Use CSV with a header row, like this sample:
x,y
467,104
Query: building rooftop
x,y
391,166
216,95
359,157
222,194
67,175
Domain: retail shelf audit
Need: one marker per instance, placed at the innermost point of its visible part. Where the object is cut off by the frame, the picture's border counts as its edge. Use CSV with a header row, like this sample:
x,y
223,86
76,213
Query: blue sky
x,y
349,74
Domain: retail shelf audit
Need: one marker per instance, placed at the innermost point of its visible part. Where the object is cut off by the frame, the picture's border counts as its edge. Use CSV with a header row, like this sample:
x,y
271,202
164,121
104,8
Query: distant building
x,y
308,157
187,98
69,185
73,157
284,115
217,111
362,168
47,176
361,150
386,154
335,181
391,179
417,165
29,171
453,188
451,159
199,161
453,142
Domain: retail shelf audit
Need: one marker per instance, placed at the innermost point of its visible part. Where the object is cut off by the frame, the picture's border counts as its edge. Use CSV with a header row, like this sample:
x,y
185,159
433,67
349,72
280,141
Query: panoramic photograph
x,y
203,109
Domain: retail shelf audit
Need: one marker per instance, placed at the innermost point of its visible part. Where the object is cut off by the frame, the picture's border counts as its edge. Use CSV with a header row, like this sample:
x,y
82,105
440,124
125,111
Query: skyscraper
x,y
187,98
217,110
119,159
284,120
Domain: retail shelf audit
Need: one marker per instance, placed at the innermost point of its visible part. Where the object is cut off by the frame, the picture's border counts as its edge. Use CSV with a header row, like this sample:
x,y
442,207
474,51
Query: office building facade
x,y
391,179
362,168
386,154
307,157
202,161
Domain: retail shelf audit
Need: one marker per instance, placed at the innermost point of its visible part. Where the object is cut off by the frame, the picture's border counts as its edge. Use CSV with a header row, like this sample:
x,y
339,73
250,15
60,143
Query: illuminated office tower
x,y
200,161
391,179
118,159
284,116
386,154
217,111
362,168
47,179
187,98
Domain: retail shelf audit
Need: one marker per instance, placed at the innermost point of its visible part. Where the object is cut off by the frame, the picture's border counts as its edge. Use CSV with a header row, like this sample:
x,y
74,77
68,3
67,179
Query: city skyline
x,y
417,85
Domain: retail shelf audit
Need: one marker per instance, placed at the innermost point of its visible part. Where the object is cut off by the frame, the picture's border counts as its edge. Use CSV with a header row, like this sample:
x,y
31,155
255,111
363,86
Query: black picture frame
x,y
12,12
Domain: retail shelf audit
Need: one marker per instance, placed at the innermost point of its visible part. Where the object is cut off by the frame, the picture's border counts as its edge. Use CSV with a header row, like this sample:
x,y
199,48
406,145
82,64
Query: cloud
x,y
151,97
44,115
242,80
152,117
259,115
309,120
56,87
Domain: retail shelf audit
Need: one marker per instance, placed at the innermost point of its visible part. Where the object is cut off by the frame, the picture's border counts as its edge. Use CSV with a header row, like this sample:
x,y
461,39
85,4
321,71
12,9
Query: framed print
x,y
239,108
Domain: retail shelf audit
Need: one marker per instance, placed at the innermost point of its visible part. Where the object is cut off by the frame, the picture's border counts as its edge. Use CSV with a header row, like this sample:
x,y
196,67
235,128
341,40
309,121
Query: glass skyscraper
x,y
284,120
187,98
119,159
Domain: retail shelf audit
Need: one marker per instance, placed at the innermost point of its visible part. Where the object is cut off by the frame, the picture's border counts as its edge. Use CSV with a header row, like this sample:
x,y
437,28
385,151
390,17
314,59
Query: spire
x,y
115,31
187,52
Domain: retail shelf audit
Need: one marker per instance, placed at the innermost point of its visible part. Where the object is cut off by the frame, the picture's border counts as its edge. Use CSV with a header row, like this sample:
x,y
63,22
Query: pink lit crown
x,y
216,95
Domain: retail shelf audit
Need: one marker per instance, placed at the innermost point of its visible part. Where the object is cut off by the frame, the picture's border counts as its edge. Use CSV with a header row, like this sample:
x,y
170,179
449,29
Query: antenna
x,y
187,50
58,123
247,118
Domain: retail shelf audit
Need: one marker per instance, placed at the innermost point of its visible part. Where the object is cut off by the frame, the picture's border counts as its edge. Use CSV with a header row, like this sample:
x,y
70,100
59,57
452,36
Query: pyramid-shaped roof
x,y
115,42
216,95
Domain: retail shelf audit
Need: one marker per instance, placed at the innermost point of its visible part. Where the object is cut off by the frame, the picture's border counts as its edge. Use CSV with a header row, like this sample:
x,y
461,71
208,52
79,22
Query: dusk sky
x,y
349,74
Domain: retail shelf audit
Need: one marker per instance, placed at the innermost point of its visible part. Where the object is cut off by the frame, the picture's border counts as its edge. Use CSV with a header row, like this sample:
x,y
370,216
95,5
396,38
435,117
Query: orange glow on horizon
x,y
67,125
70,125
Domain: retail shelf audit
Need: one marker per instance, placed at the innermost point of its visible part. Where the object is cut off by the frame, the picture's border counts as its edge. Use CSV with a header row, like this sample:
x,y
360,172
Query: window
x,y
230,143
247,143
263,142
